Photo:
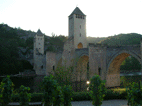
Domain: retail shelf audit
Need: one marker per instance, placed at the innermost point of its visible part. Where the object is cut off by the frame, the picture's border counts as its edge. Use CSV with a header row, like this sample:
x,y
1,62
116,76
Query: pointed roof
x,y
77,11
39,33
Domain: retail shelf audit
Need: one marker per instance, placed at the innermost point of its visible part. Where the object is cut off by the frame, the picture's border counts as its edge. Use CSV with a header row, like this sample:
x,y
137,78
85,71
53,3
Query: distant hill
x,y
122,39
95,39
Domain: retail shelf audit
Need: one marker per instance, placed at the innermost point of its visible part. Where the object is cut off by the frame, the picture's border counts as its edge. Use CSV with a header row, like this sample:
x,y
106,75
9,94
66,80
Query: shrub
x,y
134,94
6,90
97,87
80,96
48,86
24,96
58,97
36,97
67,92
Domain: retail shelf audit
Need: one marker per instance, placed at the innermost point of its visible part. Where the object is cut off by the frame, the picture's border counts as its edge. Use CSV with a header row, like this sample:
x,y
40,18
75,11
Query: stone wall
x,y
68,53
50,62
97,59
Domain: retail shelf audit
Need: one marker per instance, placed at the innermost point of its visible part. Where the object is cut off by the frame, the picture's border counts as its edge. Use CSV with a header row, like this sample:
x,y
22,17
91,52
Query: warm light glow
x,y
80,46
87,88
88,82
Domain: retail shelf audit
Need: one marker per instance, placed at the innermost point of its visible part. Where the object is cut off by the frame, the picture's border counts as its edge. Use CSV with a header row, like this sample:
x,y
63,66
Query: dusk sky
x,y
104,17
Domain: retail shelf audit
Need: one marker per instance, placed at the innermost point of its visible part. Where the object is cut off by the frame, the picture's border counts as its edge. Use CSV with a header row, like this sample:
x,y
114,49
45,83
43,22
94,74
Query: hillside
x,y
95,39
16,46
122,39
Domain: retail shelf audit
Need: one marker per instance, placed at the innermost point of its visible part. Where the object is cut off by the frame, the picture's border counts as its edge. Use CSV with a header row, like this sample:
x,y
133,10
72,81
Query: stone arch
x,y
124,51
80,45
81,72
113,68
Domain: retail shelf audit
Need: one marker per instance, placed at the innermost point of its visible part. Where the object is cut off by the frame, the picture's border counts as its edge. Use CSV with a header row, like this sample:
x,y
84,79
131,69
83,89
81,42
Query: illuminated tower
x,y
77,28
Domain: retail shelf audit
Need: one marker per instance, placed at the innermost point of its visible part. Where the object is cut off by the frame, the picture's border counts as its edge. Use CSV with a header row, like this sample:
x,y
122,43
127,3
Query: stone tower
x,y
77,28
38,52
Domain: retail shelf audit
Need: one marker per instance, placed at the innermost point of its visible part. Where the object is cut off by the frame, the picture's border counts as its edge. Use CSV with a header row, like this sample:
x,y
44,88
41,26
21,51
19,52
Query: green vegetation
x,y
130,63
9,56
122,39
54,94
6,91
125,80
134,94
24,96
55,47
48,86
97,90
95,39
67,92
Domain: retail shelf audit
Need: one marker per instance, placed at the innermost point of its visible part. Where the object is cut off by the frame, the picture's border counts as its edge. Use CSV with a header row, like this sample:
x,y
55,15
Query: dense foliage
x,y
122,39
134,94
49,87
130,63
68,93
97,90
9,46
55,43
24,96
6,91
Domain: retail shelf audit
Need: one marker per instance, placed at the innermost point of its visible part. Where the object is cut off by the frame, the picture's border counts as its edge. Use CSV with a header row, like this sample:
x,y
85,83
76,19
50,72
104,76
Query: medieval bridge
x,y
106,60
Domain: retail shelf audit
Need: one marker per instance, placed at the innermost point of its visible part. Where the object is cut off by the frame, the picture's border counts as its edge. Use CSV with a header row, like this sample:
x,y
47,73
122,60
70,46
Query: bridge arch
x,y
113,68
124,51
82,71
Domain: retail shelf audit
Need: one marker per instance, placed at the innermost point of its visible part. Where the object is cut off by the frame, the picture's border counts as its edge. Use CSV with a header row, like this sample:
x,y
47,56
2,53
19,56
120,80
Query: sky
x,y
104,17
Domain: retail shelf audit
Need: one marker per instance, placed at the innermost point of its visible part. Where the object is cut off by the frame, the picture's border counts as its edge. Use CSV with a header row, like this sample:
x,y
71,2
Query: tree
x,y
49,86
63,75
97,90
130,64
24,96
6,91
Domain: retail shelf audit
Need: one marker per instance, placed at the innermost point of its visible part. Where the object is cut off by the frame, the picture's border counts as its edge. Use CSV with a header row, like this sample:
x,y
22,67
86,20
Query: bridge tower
x,y
77,28
38,52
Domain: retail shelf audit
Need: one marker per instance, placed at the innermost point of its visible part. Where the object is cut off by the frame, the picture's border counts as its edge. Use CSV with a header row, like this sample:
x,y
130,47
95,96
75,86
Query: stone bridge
x,y
106,58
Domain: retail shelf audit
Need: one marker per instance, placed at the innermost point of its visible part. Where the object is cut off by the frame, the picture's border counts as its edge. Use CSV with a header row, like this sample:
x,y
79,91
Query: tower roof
x,y
39,33
77,11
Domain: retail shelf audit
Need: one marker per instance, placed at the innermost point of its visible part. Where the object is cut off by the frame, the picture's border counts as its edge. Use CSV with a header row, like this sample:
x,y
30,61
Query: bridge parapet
x,y
81,52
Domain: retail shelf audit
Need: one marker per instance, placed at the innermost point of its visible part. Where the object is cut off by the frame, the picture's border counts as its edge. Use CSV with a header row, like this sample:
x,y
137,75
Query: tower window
x,y
39,43
99,71
53,67
42,67
80,26
88,71
80,34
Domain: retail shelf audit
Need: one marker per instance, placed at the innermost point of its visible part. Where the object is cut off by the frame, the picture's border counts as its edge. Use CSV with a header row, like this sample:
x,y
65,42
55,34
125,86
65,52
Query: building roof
x,y
77,11
39,33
